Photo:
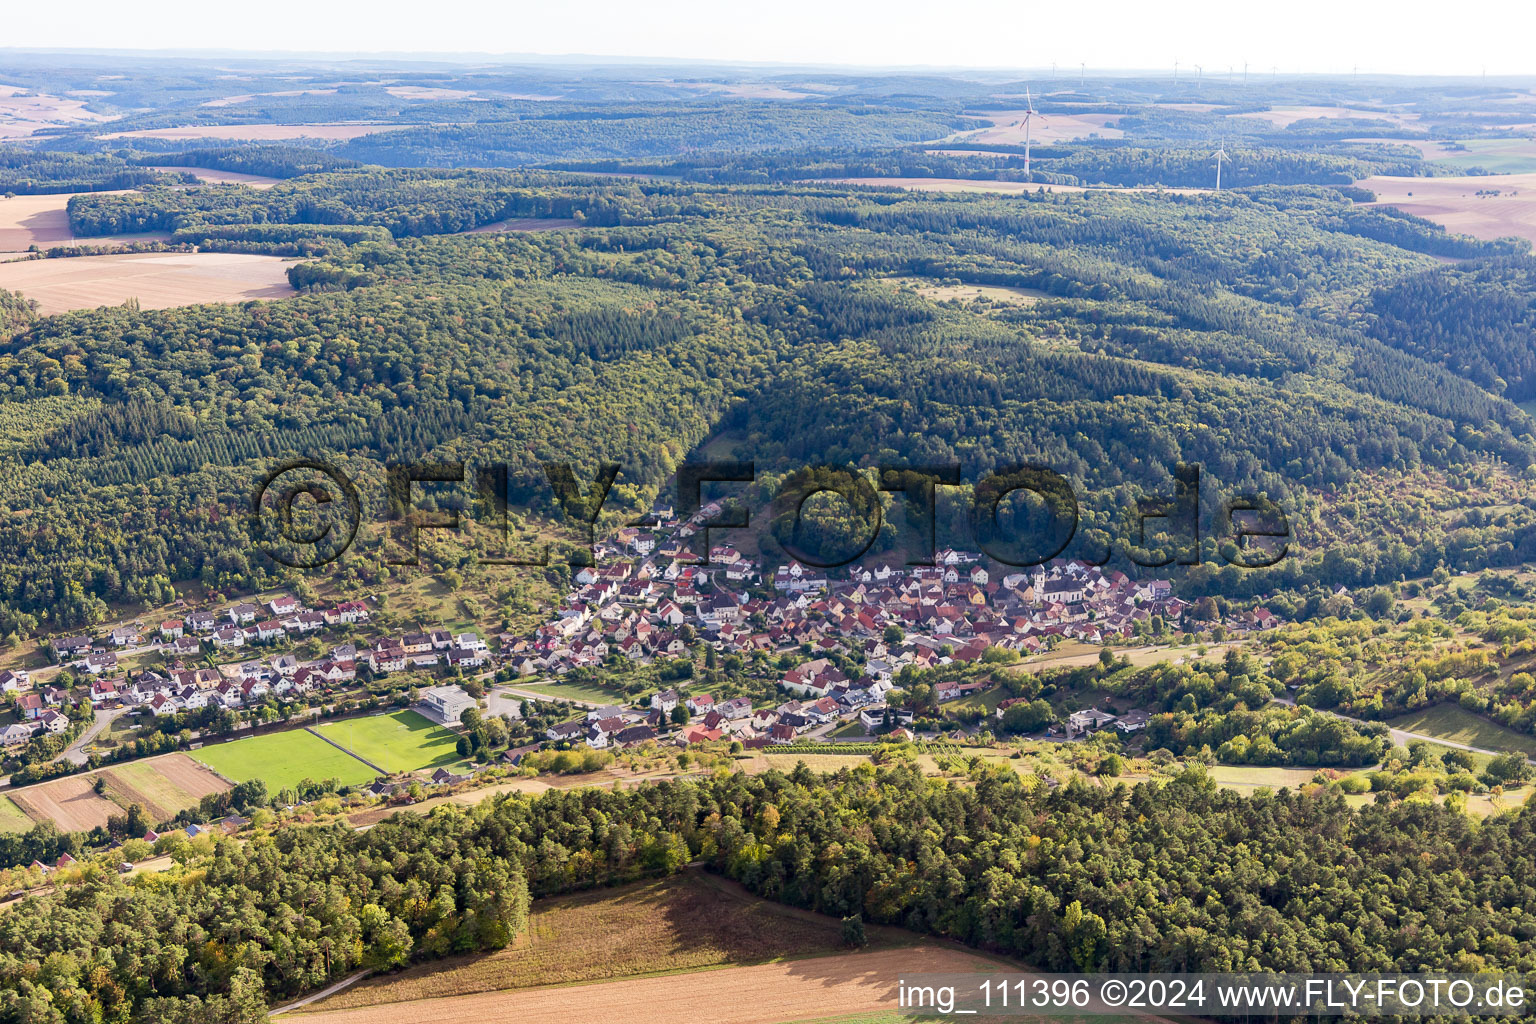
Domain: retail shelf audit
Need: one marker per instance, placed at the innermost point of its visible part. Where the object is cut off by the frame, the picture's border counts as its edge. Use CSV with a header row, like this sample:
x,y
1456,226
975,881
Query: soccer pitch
x,y
283,760
401,741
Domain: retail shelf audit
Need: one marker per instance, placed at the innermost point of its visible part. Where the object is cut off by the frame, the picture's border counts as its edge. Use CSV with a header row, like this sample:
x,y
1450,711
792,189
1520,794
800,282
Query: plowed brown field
x,y
70,803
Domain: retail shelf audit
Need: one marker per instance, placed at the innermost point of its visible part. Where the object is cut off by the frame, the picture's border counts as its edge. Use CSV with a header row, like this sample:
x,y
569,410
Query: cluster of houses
x,y
182,642
645,596
643,589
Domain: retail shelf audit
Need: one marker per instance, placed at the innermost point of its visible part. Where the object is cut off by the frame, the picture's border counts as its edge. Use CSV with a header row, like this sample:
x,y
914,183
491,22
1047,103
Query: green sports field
x,y
283,760
401,741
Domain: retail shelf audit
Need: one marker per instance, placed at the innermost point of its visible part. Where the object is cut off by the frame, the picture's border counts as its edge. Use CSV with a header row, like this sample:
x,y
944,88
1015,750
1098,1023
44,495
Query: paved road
x,y
503,702
1402,736
75,752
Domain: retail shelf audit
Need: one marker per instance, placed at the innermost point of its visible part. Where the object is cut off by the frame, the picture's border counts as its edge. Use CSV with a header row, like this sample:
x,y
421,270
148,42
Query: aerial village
x,y
646,598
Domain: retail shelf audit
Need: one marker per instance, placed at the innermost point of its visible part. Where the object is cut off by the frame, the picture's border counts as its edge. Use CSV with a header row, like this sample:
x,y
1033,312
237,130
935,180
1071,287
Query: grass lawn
x,y
815,762
1245,776
401,741
1454,723
986,700
1500,156
687,922
283,760
11,817
574,691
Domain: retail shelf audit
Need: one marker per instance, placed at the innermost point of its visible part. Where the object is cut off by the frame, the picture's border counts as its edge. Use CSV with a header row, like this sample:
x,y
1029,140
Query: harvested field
x,y
748,90
214,176
70,803
1006,127
971,292
425,92
686,922
23,112
468,798
258,132
163,785
231,101
796,990
157,280
1455,204
526,224
1284,117
44,221
1501,156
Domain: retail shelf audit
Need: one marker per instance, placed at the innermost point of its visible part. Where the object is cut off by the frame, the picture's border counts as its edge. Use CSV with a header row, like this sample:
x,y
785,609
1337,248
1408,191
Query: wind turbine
x,y
1199,72
1175,72
1084,66
1029,115
1221,154
1229,74
1245,72
1053,71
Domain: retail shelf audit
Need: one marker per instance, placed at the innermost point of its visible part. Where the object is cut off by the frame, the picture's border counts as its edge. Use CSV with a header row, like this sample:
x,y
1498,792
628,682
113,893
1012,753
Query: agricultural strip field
x,y
71,803
795,990
163,785
401,741
156,280
12,819
686,922
283,759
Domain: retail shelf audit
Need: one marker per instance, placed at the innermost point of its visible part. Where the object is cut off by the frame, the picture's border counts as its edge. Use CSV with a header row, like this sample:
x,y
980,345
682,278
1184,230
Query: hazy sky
x,y
1405,37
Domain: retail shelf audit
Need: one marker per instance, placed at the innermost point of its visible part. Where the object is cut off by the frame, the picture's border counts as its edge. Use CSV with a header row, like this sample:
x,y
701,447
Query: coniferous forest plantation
x,y
552,290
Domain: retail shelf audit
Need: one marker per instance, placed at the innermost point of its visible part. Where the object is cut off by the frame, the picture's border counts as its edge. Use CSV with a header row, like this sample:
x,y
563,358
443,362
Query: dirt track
x,y
766,994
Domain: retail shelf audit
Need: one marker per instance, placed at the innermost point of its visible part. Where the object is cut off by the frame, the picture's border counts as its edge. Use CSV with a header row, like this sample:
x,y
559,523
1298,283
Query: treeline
x,y
266,161
1477,319
44,172
1071,878
403,203
1406,231
205,947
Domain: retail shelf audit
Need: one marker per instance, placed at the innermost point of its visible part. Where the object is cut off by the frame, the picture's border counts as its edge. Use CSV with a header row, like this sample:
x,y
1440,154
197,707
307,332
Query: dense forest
x,y
1148,330
31,172
1170,876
